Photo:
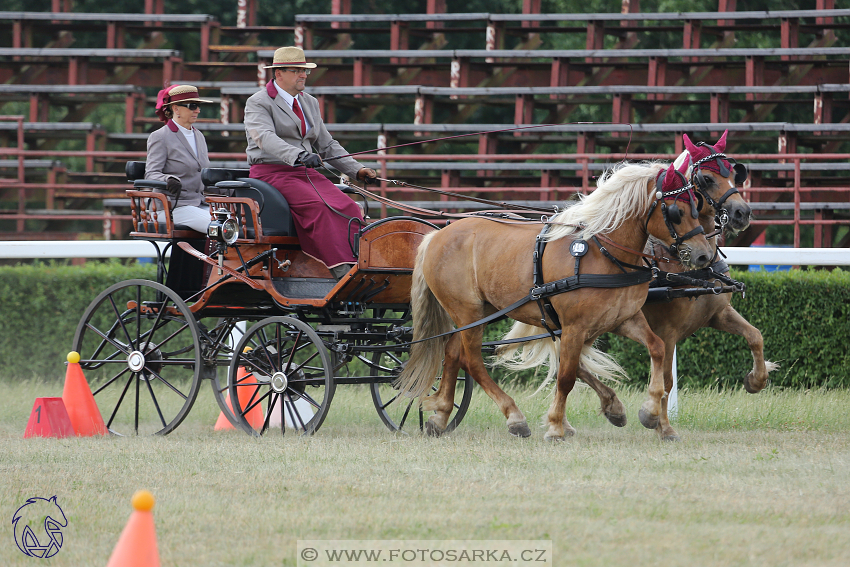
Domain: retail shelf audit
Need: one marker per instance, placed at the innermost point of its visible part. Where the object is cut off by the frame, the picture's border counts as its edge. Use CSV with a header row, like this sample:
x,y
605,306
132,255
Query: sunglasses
x,y
299,71
190,106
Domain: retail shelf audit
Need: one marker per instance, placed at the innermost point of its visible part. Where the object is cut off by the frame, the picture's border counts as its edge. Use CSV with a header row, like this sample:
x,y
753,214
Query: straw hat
x,y
290,57
175,94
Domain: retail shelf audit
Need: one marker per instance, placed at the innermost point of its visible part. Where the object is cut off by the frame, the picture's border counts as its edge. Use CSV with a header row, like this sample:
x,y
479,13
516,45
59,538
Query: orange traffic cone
x,y
79,401
137,545
254,415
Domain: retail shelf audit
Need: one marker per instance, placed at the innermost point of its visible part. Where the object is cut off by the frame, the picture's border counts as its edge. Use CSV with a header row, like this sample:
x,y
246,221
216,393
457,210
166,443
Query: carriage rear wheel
x,y
402,414
281,377
140,351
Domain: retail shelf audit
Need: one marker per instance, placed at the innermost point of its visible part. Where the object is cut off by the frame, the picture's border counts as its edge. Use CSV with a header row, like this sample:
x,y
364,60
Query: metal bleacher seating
x,y
417,76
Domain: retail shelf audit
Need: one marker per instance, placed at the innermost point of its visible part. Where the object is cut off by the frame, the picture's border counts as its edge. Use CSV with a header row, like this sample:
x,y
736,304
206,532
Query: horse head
x,y
677,224
716,178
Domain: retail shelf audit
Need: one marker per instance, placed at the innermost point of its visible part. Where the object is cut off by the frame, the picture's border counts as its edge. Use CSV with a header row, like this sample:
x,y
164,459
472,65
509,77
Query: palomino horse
x,y
680,318
677,319
477,267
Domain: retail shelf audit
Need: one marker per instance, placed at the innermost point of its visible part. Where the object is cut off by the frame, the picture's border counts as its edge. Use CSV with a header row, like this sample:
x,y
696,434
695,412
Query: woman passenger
x,y
176,154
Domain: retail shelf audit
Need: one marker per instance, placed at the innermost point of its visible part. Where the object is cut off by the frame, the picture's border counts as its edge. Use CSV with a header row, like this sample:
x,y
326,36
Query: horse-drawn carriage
x,y
148,346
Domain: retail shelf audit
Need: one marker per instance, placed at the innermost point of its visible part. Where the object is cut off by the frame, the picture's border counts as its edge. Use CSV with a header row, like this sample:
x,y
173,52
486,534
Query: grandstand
x,y
77,92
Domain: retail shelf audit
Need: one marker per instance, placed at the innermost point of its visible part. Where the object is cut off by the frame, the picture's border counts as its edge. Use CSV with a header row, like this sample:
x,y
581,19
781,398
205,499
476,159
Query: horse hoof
x,y
748,385
647,419
617,420
432,430
519,429
672,438
553,438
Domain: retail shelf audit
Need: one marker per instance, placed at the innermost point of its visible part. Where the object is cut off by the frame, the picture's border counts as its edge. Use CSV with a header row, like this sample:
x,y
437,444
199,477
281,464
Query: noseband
x,y
673,215
721,215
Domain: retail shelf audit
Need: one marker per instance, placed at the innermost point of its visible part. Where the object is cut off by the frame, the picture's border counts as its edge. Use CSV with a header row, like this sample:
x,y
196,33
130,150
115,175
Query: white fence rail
x,y
24,249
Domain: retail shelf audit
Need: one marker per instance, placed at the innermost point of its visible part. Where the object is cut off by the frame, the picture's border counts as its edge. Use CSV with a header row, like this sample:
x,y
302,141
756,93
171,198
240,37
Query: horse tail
x,y
429,319
532,354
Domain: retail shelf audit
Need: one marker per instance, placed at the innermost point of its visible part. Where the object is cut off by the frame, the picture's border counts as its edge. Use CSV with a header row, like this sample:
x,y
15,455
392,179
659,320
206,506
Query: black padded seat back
x,y
135,170
274,208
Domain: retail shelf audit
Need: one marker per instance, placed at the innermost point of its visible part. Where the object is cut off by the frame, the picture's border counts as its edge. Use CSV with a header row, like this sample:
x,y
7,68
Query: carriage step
x,y
304,288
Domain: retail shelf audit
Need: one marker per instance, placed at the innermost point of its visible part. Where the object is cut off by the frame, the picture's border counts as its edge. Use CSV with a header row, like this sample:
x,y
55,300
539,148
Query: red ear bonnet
x,y
702,151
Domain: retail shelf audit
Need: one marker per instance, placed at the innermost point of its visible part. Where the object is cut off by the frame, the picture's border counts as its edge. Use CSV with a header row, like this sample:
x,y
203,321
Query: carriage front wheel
x,y
281,377
140,352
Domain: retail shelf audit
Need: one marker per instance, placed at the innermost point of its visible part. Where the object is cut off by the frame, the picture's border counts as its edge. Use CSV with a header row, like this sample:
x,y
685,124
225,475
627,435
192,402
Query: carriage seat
x,y
275,214
274,209
135,171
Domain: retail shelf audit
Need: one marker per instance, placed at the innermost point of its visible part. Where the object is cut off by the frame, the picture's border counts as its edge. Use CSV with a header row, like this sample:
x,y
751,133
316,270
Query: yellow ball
x,y
73,357
143,501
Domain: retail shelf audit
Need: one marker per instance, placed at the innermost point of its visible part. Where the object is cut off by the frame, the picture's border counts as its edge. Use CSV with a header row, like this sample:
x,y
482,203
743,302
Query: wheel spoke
x,y
111,380
263,343
120,320
154,327
404,417
167,383
251,406
292,353
394,398
293,412
123,348
120,399
172,335
155,403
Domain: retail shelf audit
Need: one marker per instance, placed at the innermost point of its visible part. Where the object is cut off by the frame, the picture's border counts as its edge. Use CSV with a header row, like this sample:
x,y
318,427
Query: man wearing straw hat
x,y
286,138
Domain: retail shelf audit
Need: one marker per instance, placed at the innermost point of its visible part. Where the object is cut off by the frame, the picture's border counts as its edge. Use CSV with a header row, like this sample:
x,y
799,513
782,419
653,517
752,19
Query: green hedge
x,y
803,315
40,306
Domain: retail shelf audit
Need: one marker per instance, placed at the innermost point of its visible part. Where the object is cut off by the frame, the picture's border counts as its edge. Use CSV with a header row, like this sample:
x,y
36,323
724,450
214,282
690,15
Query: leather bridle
x,y
673,215
721,215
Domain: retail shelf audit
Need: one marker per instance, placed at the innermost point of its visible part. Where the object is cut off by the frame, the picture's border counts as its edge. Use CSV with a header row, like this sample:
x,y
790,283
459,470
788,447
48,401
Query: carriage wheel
x,y
281,377
141,354
403,414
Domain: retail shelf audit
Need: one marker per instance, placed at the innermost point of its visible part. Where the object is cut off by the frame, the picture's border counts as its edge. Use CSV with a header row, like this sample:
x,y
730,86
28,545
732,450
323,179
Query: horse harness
x,y
705,281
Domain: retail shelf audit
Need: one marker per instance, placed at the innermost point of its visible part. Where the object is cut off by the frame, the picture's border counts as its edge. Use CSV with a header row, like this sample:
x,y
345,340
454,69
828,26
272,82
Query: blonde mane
x,y
621,193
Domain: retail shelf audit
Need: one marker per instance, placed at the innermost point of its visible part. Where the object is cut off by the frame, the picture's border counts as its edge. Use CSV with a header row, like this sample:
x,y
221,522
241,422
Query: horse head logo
x,y
38,527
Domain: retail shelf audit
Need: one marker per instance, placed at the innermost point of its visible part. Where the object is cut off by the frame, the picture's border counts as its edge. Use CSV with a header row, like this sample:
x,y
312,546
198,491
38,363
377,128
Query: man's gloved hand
x,y
173,185
311,160
367,176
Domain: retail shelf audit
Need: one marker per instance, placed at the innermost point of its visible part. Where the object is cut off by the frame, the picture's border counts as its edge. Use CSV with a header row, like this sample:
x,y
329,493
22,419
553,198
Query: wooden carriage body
x,y
286,278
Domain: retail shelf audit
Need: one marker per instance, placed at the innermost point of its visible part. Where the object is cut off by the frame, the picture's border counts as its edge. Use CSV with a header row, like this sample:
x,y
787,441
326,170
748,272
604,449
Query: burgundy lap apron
x,y
323,234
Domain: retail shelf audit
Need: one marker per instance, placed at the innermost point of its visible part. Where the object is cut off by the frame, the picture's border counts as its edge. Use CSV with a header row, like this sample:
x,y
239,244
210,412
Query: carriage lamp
x,y
223,229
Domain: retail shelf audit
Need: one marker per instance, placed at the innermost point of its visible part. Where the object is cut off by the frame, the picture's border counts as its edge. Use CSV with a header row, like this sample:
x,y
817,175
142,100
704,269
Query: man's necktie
x,y
296,108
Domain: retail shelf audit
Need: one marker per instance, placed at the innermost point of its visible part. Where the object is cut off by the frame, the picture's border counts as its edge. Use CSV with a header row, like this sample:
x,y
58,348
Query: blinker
x,y
674,214
741,173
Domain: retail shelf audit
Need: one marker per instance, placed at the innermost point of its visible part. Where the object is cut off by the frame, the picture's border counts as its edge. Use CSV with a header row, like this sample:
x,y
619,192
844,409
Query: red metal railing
x,y
544,191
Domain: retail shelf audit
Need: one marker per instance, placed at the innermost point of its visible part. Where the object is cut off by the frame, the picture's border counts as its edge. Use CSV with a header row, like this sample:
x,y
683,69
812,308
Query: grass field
x,y
757,480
